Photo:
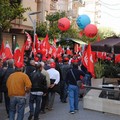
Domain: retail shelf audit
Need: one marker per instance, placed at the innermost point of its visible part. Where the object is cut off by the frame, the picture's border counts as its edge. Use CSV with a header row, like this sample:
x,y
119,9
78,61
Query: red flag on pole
x,y
45,45
28,41
22,55
17,53
37,44
87,60
2,51
8,51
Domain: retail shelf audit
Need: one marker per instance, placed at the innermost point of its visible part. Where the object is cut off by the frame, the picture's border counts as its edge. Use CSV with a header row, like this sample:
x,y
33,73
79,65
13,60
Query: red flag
x,y
28,41
2,51
17,53
59,50
8,52
101,55
22,55
87,60
34,51
37,44
68,51
117,58
53,51
45,45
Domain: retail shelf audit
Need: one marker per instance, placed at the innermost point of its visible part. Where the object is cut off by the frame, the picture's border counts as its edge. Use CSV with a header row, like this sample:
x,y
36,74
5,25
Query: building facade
x,y
45,7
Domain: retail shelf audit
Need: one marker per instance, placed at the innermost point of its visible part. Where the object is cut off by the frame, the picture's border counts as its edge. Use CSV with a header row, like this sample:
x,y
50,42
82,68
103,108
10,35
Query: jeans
x,y
63,91
7,102
44,101
37,99
87,79
73,97
51,98
20,104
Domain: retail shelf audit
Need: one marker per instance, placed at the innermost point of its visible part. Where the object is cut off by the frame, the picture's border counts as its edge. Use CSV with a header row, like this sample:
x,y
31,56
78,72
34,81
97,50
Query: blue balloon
x,y
83,21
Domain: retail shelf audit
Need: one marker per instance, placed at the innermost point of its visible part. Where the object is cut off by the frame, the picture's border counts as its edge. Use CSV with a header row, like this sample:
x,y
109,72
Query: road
x,y
61,112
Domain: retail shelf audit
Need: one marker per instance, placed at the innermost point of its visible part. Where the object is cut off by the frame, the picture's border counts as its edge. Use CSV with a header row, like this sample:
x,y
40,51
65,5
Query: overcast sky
x,y
110,13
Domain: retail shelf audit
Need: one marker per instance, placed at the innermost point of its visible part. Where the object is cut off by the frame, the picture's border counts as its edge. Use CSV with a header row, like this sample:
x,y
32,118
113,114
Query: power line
x,y
111,15
116,4
110,7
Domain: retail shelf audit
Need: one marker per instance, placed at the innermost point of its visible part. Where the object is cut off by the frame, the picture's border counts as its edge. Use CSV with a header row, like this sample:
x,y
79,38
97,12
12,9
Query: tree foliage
x,y
52,28
41,29
10,10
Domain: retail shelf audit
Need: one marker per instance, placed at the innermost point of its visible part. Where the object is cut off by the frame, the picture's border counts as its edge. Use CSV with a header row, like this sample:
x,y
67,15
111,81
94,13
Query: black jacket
x,y
70,79
7,73
38,82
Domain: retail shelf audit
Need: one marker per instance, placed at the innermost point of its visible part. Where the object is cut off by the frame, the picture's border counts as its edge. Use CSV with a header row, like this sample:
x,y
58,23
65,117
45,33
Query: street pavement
x,y
61,112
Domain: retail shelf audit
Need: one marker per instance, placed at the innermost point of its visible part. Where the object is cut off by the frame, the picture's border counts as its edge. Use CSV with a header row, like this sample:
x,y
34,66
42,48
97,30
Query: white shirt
x,y
54,74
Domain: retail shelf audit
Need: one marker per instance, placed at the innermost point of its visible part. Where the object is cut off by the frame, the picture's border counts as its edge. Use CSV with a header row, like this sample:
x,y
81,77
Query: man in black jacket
x,y
39,88
73,76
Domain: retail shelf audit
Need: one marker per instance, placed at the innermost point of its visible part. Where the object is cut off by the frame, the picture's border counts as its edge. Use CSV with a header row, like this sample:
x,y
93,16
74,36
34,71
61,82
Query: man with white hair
x,y
54,79
44,97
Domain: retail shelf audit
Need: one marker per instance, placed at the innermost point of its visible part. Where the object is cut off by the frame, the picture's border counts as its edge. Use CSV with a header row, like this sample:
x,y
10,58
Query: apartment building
x,y
16,33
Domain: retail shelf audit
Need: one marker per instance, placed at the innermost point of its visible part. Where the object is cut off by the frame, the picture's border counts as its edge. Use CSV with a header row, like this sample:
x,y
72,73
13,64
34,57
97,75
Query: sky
x,y
109,12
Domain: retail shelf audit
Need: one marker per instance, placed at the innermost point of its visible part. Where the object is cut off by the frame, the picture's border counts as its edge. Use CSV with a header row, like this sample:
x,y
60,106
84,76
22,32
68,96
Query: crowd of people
x,y
39,81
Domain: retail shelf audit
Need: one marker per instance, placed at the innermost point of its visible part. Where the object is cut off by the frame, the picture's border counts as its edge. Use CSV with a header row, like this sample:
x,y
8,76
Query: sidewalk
x,y
61,112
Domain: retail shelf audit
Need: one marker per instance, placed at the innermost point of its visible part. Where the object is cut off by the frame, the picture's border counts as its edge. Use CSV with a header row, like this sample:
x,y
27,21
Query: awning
x,y
107,45
79,41
71,40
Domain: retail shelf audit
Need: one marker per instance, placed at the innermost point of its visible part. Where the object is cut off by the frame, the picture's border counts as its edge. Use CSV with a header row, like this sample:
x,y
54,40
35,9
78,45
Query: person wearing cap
x,y
63,87
54,78
10,69
39,88
44,97
72,76
18,84
30,68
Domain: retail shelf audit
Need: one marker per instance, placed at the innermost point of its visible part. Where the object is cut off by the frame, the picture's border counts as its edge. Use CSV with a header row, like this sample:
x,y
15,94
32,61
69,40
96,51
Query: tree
x,y
41,29
52,27
10,10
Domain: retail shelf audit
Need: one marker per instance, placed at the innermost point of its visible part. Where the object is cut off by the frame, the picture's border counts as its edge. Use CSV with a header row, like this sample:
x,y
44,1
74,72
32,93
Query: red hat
x,y
36,59
74,61
44,58
66,59
52,64
19,65
60,59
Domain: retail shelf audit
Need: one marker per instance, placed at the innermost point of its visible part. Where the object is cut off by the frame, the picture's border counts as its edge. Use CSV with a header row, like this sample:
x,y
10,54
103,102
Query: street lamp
x,y
33,22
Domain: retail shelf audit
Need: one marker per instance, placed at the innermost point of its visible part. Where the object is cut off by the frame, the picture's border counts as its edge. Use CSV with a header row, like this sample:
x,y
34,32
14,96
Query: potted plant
x,y
99,69
99,73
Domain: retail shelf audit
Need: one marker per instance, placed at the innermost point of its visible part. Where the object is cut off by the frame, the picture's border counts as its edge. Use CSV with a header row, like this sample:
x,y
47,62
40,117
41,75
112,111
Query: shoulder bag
x,y
78,82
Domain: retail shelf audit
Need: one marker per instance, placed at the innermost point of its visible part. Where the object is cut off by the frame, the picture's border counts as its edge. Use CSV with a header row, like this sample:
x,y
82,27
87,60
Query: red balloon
x,y
64,24
90,30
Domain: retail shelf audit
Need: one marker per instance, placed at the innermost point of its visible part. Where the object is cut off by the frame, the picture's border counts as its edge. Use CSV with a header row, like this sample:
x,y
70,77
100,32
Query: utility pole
x,y
33,22
97,15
